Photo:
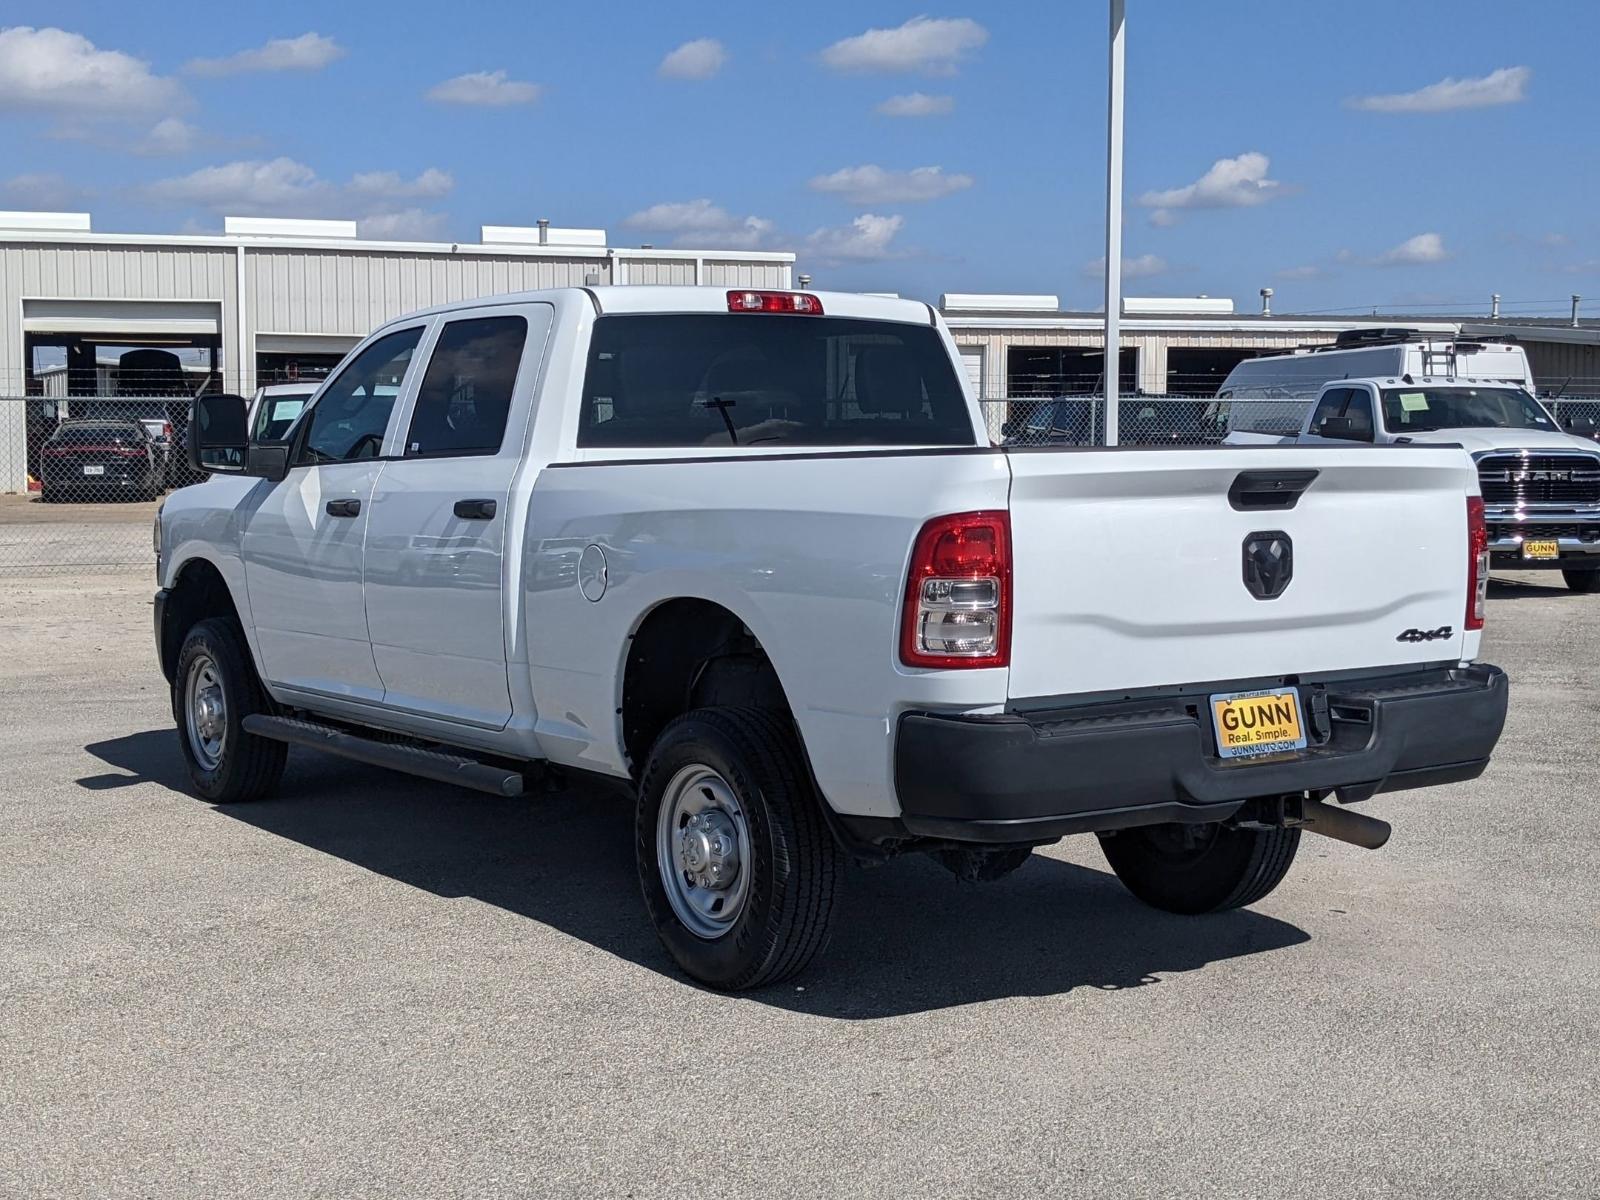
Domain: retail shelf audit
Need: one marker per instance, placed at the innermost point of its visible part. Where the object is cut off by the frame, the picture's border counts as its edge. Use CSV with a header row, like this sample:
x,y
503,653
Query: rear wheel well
x,y
200,593
690,654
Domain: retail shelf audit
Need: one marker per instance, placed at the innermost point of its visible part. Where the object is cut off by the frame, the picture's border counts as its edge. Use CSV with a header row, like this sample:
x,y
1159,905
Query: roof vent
x,y
1165,305
534,235
997,302
287,227
62,222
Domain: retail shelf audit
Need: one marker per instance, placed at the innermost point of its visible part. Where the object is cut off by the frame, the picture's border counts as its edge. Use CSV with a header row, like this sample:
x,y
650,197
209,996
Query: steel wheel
x,y
206,712
703,851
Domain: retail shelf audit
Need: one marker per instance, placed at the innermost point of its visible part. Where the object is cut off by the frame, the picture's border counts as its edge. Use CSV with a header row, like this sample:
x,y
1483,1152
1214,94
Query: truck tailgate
x,y
1130,565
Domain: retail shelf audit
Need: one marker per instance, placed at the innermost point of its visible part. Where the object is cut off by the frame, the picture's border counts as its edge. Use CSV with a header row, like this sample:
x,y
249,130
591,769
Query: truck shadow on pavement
x,y
908,937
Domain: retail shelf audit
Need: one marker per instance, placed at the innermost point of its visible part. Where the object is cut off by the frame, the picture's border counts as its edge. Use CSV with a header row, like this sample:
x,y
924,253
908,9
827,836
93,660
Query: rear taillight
x,y
775,302
958,593
1477,563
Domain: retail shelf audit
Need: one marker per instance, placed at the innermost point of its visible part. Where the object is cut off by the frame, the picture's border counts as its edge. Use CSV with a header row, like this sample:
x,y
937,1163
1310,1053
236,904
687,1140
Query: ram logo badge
x,y
1268,564
1426,635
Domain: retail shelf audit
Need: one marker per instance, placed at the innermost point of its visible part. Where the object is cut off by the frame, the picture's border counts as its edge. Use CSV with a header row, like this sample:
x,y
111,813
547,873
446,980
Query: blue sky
x,y
1349,155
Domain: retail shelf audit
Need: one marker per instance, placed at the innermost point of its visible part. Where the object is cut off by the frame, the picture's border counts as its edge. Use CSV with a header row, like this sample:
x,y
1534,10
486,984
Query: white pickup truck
x,y
749,551
1540,485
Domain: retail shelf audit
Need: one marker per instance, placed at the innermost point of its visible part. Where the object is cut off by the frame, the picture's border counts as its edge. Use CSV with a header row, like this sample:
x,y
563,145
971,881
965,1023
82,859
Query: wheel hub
x,y
708,850
703,851
208,712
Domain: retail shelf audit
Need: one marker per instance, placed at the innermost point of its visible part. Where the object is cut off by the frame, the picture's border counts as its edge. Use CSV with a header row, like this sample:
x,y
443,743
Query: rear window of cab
x,y
714,380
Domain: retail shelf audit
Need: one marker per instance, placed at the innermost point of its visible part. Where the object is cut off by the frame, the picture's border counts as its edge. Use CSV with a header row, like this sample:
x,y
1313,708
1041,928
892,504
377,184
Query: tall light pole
x,y
1113,356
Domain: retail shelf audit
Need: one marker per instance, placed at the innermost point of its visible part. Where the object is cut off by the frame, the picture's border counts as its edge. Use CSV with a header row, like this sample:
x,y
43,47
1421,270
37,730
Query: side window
x,y
1331,405
1359,413
348,421
465,396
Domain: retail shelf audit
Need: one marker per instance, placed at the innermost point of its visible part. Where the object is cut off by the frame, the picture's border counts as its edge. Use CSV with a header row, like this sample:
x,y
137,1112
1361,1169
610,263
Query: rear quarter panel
x,y
809,552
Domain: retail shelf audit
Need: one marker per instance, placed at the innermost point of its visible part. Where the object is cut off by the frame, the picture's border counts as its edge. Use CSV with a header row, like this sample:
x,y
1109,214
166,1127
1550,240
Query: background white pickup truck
x,y
749,551
1540,485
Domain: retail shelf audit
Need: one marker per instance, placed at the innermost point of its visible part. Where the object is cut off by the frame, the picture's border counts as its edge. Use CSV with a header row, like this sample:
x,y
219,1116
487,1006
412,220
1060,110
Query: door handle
x,y
344,508
475,510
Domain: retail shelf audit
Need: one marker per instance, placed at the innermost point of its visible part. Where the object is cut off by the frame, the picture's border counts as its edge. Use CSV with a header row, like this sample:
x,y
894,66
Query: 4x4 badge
x,y
1426,635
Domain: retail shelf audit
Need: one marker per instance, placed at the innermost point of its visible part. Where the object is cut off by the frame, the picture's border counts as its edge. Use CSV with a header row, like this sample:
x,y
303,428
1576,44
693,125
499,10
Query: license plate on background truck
x,y
1541,548
94,470
1255,723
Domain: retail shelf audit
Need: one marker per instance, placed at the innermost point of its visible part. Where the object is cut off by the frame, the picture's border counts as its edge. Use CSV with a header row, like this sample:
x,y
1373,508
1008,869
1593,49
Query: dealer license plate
x,y
1255,723
94,470
1541,548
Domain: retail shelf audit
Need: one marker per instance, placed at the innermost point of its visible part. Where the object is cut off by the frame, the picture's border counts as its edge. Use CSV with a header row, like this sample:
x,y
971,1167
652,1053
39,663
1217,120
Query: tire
x,y
1200,868
226,764
1587,582
741,770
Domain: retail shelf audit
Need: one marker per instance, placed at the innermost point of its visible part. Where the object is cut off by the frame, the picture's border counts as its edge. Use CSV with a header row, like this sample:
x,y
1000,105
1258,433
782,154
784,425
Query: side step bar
x,y
413,760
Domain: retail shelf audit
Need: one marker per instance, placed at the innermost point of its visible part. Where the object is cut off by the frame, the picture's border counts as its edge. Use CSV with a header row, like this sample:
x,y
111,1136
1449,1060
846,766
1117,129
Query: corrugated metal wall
x,y
85,272
1554,363
725,273
656,270
352,292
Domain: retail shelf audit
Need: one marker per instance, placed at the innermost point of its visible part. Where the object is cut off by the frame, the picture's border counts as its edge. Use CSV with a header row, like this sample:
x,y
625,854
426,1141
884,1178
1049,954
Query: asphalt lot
x,y
374,986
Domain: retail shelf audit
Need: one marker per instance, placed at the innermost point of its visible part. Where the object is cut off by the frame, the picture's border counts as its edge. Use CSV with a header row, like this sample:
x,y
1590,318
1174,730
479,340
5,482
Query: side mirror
x,y
1582,424
219,441
1343,429
219,438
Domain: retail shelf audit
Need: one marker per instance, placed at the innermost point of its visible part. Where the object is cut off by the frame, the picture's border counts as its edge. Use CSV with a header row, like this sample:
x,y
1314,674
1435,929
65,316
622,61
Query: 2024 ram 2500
x,y
749,551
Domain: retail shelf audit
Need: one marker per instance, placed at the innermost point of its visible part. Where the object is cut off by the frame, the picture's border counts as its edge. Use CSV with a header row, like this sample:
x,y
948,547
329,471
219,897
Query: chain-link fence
x,y
80,475
1027,414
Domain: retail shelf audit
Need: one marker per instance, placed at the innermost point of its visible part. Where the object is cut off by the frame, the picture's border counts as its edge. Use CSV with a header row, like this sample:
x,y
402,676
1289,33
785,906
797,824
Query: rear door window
x,y
465,396
763,379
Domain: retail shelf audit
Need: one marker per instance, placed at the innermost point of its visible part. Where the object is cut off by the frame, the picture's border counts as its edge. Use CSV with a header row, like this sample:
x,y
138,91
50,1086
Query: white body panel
x,y
810,555
1127,568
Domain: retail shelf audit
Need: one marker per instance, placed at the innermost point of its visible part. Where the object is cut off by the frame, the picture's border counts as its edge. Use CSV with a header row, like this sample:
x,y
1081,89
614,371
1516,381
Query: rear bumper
x,y
1041,775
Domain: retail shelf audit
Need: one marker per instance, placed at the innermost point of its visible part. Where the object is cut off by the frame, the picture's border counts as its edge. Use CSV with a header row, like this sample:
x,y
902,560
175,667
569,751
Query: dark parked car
x,y
95,459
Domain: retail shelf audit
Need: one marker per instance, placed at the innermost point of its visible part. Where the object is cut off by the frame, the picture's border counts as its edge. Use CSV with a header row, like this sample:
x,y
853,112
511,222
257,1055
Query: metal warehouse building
x,y
268,300
1022,345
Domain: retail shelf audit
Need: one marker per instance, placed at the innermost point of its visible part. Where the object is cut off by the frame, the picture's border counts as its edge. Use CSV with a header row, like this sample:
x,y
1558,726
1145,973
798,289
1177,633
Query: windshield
x,y
1419,409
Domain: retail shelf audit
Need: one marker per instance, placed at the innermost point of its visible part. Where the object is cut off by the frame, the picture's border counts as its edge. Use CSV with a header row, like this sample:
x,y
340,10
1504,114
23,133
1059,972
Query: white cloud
x,y
282,186
1161,218
1305,272
934,45
865,239
700,222
917,104
699,59
41,190
1142,267
1229,183
1508,85
872,184
487,88
168,136
1415,251
431,183
55,71
407,225
308,52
